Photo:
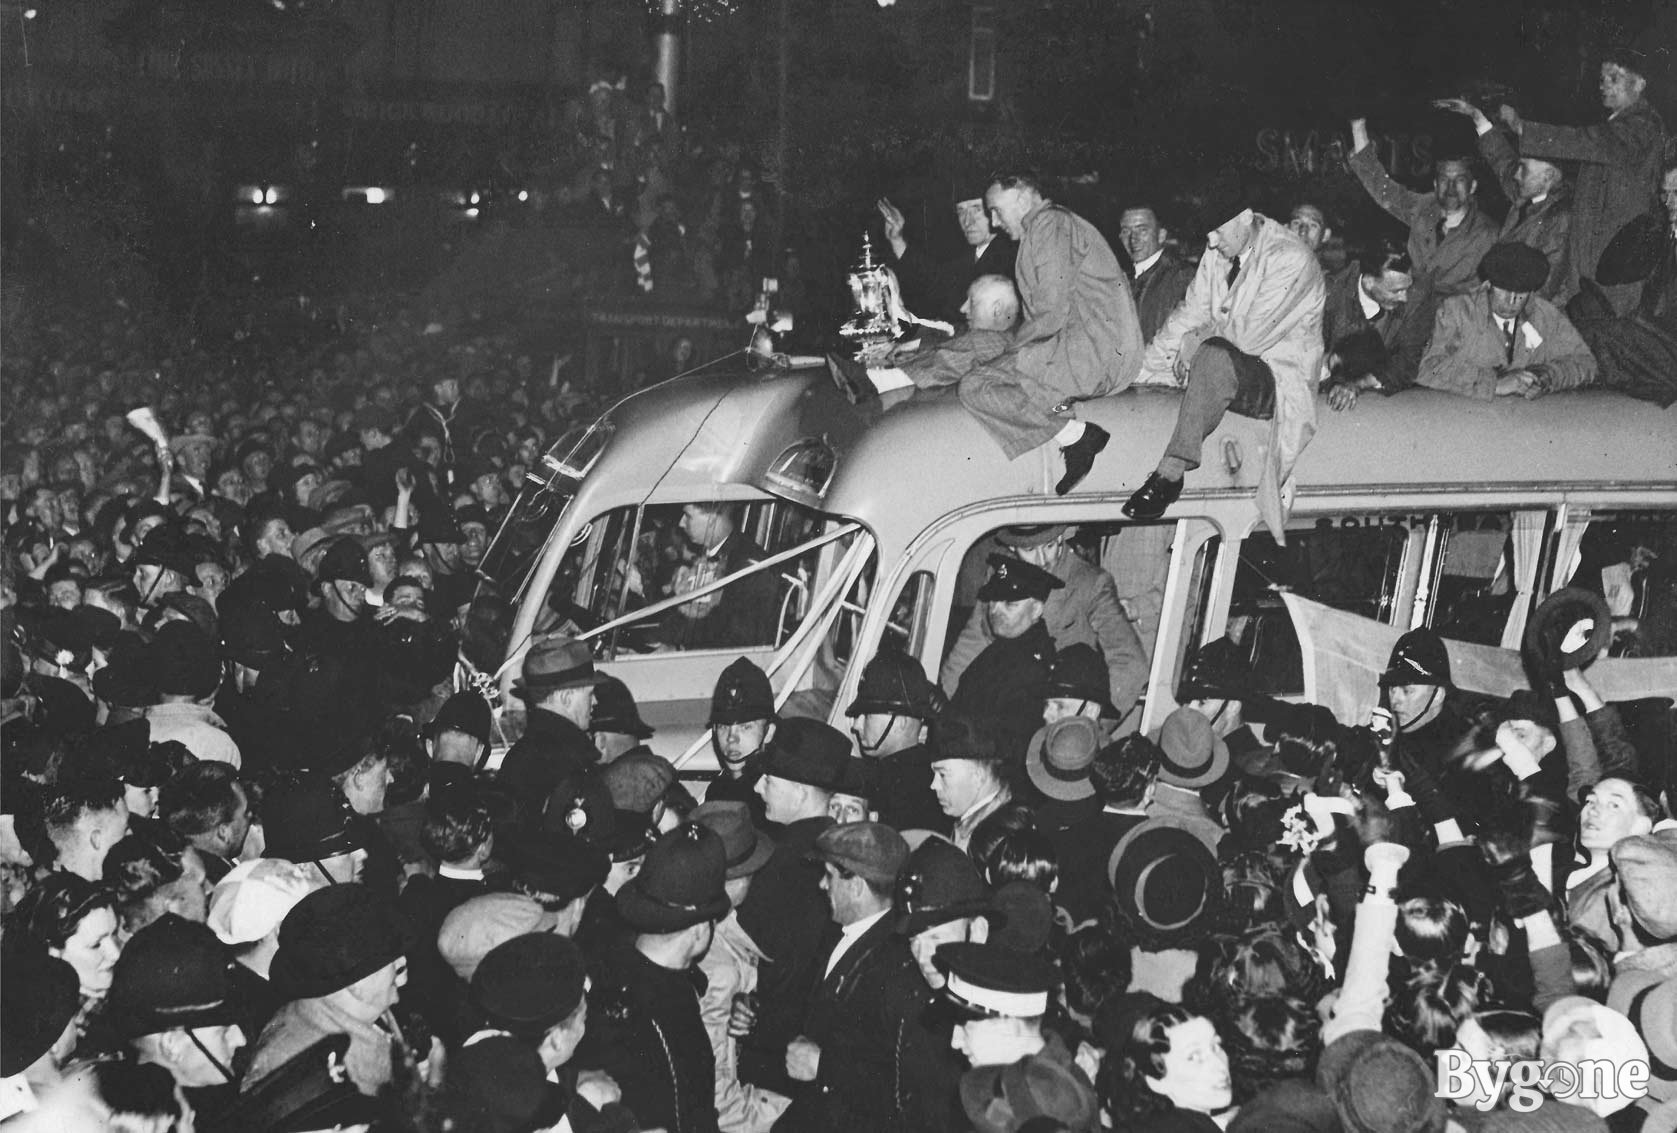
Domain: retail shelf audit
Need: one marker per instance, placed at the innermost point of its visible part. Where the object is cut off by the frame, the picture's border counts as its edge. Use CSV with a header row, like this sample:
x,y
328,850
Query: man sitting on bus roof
x,y
1080,338
991,309
1248,339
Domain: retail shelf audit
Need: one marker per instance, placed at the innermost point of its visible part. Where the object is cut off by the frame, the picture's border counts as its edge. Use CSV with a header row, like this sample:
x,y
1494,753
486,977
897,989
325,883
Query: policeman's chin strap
x,y
1432,698
221,1067
869,749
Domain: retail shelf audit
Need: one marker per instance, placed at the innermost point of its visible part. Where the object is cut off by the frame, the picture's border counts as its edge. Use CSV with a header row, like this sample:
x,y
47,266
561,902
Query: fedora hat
x,y
1060,756
681,884
1554,619
615,711
807,751
556,662
529,984
747,848
1193,755
1032,535
1164,879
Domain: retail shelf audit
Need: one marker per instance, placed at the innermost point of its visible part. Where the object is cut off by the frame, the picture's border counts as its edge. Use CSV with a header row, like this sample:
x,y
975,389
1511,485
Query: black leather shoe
x,y
1080,456
851,378
1153,497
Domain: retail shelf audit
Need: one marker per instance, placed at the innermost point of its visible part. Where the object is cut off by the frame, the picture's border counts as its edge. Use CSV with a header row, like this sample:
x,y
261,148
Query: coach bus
x,y
875,522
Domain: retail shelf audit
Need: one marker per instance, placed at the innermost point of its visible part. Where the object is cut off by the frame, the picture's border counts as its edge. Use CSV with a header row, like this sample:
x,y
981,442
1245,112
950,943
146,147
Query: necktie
x,y
1441,231
1508,340
1521,213
1234,269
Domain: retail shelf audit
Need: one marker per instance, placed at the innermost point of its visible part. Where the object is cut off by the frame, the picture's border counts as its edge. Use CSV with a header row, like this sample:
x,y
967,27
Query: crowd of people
x,y
265,867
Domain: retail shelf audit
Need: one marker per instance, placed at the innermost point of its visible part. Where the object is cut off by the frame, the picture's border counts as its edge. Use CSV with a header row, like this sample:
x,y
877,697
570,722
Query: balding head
x,y
992,303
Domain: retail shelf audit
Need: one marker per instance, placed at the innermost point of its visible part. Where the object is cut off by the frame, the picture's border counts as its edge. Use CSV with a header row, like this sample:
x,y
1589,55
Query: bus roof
x,y
914,456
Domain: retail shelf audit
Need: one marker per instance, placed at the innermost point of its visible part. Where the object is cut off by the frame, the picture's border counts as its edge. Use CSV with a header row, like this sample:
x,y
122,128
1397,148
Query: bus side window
x,y
1630,558
1358,569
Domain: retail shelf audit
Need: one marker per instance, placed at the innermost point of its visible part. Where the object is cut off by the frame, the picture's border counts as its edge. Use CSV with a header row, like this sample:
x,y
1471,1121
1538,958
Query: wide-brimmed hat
x,y
807,751
530,984
1012,579
615,710
681,884
963,735
747,848
742,693
1553,620
1032,535
1002,1099
938,884
42,996
1193,755
1418,658
335,937
173,973
556,662
894,684
1080,673
1163,877
1060,756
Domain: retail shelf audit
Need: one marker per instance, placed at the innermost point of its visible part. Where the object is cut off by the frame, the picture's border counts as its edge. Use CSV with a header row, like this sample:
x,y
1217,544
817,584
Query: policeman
x,y
644,1028
742,722
1009,678
889,718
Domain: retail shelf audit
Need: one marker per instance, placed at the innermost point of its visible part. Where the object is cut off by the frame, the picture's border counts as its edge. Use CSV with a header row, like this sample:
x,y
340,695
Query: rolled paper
x,y
146,421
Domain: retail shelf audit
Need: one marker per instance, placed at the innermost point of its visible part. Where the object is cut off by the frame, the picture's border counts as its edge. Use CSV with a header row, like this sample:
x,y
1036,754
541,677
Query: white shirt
x,y
1506,326
1371,309
978,252
848,936
1141,268
459,874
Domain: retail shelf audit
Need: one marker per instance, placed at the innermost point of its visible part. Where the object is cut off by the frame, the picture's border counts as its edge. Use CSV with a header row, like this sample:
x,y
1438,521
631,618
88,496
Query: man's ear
x,y
768,733
1327,234
979,931
1164,234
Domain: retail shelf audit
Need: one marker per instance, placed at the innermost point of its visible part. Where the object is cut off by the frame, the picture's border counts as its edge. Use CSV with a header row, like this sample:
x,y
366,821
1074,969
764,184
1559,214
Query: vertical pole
x,y
668,65
783,157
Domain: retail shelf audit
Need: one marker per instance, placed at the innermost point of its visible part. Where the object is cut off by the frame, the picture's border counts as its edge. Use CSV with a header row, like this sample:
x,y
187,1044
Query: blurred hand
x,y
405,483
598,1088
1511,118
742,1018
803,1060
1463,107
894,220
1359,134
1342,397
1577,635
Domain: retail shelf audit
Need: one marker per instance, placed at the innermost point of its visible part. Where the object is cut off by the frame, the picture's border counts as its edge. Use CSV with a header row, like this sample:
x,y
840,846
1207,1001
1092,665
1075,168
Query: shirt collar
x,y
857,928
978,252
1142,267
459,874
1370,307
978,806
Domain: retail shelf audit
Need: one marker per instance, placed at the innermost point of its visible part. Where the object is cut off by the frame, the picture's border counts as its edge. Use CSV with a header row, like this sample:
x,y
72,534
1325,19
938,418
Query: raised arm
x,y
1400,202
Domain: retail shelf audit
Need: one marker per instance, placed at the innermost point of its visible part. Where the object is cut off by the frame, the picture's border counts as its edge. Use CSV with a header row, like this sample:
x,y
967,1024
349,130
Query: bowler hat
x,y
1012,579
334,937
173,973
529,984
681,884
1164,878
1554,619
1079,673
1001,1099
1215,671
166,546
42,996
1514,267
894,684
1192,755
742,694
499,1085
1060,756
869,850
938,884
308,819
557,865
1418,658
556,662
807,751
615,710
184,661
748,849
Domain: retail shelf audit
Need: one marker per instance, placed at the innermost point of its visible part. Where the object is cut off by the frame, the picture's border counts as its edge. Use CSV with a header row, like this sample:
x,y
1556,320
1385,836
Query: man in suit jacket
x,y
1448,235
936,289
1372,342
848,1052
1503,340
1161,277
1619,165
